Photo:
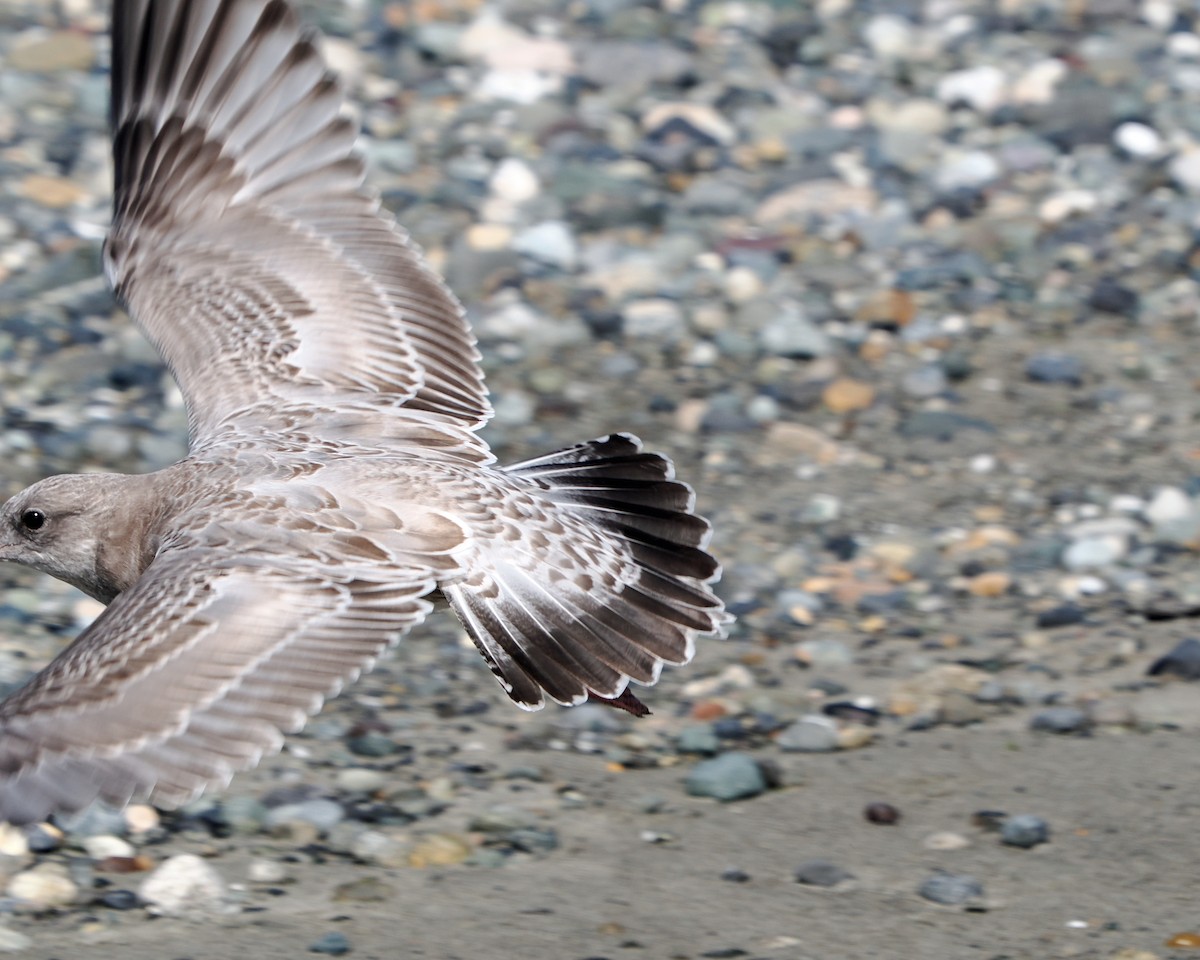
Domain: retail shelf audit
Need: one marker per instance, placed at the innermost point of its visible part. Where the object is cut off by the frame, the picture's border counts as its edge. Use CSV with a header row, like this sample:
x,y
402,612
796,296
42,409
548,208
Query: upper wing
x,y
244,243
194,673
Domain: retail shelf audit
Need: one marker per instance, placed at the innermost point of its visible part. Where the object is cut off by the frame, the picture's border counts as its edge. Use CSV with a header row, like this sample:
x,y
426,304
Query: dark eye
x,y
33,519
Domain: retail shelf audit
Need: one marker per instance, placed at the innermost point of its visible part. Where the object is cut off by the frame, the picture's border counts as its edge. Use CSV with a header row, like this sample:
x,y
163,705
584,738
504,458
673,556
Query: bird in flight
x,y
335,479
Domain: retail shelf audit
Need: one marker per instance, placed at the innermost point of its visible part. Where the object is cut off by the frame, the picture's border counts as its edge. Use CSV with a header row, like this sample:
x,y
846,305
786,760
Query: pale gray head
x,y
75,528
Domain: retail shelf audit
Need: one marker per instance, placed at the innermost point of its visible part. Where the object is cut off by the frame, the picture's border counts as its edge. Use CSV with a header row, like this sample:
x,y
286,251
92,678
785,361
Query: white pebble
x,y
946,841
46,885
1138,140
983,463
267,871
1067,203
1185,46
102,846
514,181
890,36
981,88
183,884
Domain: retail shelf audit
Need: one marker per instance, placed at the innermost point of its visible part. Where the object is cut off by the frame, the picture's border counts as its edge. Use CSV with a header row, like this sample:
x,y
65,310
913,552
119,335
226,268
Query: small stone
x,y
1060,720
657,319
551,243
1055,368
855,735
945,840
1184,169
372,744
320,813
360,780
735,875
950,888
334,944
45,887
731,776
102,846
991,583
14,841
890,37
382,849
821,873
881,813
1024,831
182,884
1187,940
267,871
120,899
1066,615
813,734
141,817
1090,553
439,850
1182,661
698,738
44,838
980,88
514,181
846,396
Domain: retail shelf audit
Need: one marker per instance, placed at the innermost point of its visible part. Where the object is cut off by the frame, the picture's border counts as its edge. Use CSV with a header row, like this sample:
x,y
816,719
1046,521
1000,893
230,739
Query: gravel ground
x,y
909,292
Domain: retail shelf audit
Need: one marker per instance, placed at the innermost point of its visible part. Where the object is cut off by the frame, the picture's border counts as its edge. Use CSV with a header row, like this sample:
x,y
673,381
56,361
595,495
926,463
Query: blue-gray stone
x,y
950,888
698,738
1024,831
1055,368
333,944
821,873
731,776
1060,720
1183,661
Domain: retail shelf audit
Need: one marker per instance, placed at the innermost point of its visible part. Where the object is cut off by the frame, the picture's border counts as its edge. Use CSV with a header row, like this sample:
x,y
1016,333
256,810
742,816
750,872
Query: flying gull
x,y
335,480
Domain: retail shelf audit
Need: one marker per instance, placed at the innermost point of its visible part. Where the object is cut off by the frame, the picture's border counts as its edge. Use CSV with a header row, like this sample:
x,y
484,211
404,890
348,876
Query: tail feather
x,y
606,579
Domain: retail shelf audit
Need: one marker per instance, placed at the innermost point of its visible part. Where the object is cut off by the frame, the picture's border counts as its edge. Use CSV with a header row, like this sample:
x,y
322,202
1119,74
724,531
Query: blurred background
x,y
909,292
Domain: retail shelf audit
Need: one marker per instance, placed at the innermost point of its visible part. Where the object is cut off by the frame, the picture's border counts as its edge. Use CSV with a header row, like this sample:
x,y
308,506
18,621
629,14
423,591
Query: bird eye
x,y
33,519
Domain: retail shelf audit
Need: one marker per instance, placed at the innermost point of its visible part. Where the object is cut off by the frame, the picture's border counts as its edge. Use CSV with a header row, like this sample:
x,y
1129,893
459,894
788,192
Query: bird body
x,y
336,481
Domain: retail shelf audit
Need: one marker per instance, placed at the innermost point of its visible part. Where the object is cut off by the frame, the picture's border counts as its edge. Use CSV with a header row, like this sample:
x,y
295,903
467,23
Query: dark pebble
x,y
883,813
1055,368
1109,296
1060,720
821,873
120,900
334,944
991,820
41,840
372,744
1062,616
1025,831
735,875
1183,661
950,888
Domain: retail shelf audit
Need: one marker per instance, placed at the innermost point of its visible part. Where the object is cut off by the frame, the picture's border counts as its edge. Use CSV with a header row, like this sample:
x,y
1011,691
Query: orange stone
x,y
993,583
847,396
708,710
1188,939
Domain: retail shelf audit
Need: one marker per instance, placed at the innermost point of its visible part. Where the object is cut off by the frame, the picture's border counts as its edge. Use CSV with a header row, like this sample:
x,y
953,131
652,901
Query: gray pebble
x,y
1183,661
950,888
1060,720
1055,368
1025,831
810,735
334,944
731,776
698,738
322,814
821,873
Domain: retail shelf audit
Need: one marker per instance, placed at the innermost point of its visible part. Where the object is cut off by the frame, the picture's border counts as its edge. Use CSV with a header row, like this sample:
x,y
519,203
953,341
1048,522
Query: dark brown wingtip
x,y
626,701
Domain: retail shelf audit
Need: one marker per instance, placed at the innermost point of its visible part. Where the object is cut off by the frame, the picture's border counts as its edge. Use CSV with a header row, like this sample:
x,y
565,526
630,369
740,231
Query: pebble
x,y
821,873
881,813
1181,661
321,814
184,883
814,734
1060,720
551,243
1055,368
267,871
1025,831
13,941
945,840
102,846
333,944
848,396
952,889
731,776
698,738
44,887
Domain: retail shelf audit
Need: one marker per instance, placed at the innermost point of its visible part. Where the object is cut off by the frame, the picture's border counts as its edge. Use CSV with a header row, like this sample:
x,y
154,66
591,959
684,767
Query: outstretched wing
x,y
196,671
244,243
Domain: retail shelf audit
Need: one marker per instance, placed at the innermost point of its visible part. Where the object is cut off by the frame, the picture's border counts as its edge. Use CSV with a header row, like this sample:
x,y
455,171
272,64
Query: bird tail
x,y
604,578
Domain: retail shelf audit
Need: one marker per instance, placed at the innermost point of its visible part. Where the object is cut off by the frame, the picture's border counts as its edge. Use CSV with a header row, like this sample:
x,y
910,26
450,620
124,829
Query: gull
x,y
335,482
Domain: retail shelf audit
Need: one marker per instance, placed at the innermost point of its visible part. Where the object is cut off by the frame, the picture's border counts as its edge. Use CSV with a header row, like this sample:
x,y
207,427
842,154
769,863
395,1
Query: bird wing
x,y
227,641
244,243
